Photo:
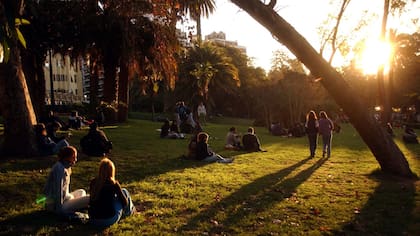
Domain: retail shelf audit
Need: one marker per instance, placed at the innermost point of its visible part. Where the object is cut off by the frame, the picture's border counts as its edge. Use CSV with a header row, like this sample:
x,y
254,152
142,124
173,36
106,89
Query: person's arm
x,y
120,194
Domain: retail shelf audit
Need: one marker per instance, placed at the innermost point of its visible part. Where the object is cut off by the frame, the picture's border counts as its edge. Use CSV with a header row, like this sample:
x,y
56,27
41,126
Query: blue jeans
x,y
326,149
62,143
120,212
312,143
217,158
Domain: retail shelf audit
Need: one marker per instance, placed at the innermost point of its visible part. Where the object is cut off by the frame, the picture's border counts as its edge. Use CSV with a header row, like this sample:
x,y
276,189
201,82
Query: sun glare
x,y
375,54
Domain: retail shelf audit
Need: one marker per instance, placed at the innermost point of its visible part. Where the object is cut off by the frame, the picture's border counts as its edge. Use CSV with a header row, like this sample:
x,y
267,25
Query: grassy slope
x,y
279,192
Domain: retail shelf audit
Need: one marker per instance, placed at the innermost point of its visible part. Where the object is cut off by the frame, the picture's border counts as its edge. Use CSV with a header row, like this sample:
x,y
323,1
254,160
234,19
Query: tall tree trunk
x,y
386,152
110,74
93,83
382,94
15,101
123,95
34,74
16,106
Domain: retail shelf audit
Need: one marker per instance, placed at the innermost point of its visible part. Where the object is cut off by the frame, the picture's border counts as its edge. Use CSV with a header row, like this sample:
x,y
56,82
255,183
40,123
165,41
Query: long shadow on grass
x,y
44,223
389,211
255,197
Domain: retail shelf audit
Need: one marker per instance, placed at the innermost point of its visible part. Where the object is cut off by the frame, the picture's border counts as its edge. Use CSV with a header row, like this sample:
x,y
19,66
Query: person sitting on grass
x,y
59,199
409,135
46,146
52,129
166,132
108,201
251,142
203,152
192,145
95,143
233,140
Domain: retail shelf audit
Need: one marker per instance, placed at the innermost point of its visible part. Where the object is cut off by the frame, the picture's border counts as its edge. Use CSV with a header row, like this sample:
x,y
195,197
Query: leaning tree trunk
x,y
386,152
18,114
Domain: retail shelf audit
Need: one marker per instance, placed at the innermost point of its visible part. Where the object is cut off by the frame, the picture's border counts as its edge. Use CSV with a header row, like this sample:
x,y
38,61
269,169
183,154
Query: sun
x,y
376,53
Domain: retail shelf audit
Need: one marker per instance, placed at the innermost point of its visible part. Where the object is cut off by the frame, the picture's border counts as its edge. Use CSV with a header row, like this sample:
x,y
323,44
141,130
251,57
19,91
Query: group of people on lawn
x,y
49,142
107,202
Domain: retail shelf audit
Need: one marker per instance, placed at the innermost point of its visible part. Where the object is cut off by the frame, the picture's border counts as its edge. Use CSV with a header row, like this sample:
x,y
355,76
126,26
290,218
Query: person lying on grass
x,y
108,201
203,152
59,199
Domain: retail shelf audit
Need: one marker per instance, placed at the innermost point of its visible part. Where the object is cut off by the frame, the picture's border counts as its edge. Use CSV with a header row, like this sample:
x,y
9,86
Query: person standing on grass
x,y
326,126
108,201
203,152
311,128
202,113
59,199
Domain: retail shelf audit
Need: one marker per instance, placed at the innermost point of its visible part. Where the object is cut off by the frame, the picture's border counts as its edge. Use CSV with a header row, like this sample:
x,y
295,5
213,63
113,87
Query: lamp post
x,y
51,82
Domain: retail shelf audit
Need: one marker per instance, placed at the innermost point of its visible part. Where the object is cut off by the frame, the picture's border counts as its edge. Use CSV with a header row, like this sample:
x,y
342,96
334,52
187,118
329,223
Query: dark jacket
x,y
45,145
203,151
251,142
95,143
101,206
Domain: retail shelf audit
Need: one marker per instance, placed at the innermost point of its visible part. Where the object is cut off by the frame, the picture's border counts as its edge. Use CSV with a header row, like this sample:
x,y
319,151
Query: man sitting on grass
x,y
251,142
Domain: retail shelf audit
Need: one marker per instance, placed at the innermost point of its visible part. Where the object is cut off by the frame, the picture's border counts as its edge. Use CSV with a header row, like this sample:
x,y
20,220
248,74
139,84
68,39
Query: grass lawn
x,y
279,192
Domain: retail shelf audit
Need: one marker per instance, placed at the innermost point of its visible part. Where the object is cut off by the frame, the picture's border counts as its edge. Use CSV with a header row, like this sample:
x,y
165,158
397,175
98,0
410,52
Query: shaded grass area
x,y
279,192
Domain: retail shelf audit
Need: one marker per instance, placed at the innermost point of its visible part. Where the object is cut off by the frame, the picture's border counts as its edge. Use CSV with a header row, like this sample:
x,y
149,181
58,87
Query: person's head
x,y
106,170
323,115
251,130
56,125
311,115
232,129
93,126
202,137
40,129
68,154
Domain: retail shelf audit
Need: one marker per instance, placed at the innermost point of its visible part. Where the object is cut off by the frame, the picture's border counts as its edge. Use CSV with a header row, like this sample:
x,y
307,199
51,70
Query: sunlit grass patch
x,y
278,192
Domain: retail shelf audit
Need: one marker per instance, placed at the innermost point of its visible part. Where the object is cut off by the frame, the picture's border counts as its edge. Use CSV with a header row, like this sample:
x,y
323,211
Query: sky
x,y
305,15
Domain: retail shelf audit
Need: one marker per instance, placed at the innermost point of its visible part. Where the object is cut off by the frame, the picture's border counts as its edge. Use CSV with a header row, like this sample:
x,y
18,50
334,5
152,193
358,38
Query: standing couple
x,y
324,126
107,202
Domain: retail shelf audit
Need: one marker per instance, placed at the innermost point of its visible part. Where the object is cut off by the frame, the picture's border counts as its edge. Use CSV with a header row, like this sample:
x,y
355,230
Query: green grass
x,y
279,192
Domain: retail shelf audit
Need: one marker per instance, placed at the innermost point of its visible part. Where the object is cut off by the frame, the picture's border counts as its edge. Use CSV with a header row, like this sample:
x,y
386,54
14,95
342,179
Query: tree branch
x,y
272,3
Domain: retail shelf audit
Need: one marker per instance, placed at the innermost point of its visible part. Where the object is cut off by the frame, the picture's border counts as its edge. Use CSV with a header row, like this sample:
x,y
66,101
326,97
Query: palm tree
x,y
207,71
198,8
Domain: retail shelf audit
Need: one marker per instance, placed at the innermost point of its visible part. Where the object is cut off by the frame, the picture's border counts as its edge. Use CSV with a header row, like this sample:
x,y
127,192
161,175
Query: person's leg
x,y
130,208
324,145
112,220
62,143
218,158
79,201
329,141
312,144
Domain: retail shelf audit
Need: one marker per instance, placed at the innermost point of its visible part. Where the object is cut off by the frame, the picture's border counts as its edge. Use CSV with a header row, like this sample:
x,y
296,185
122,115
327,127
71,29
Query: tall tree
x,y
198,8
386,152
15,101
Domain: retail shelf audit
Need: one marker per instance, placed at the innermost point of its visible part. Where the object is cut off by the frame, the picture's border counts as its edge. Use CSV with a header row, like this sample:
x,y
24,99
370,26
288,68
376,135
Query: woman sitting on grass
x,y
108,201
59,199
203,153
